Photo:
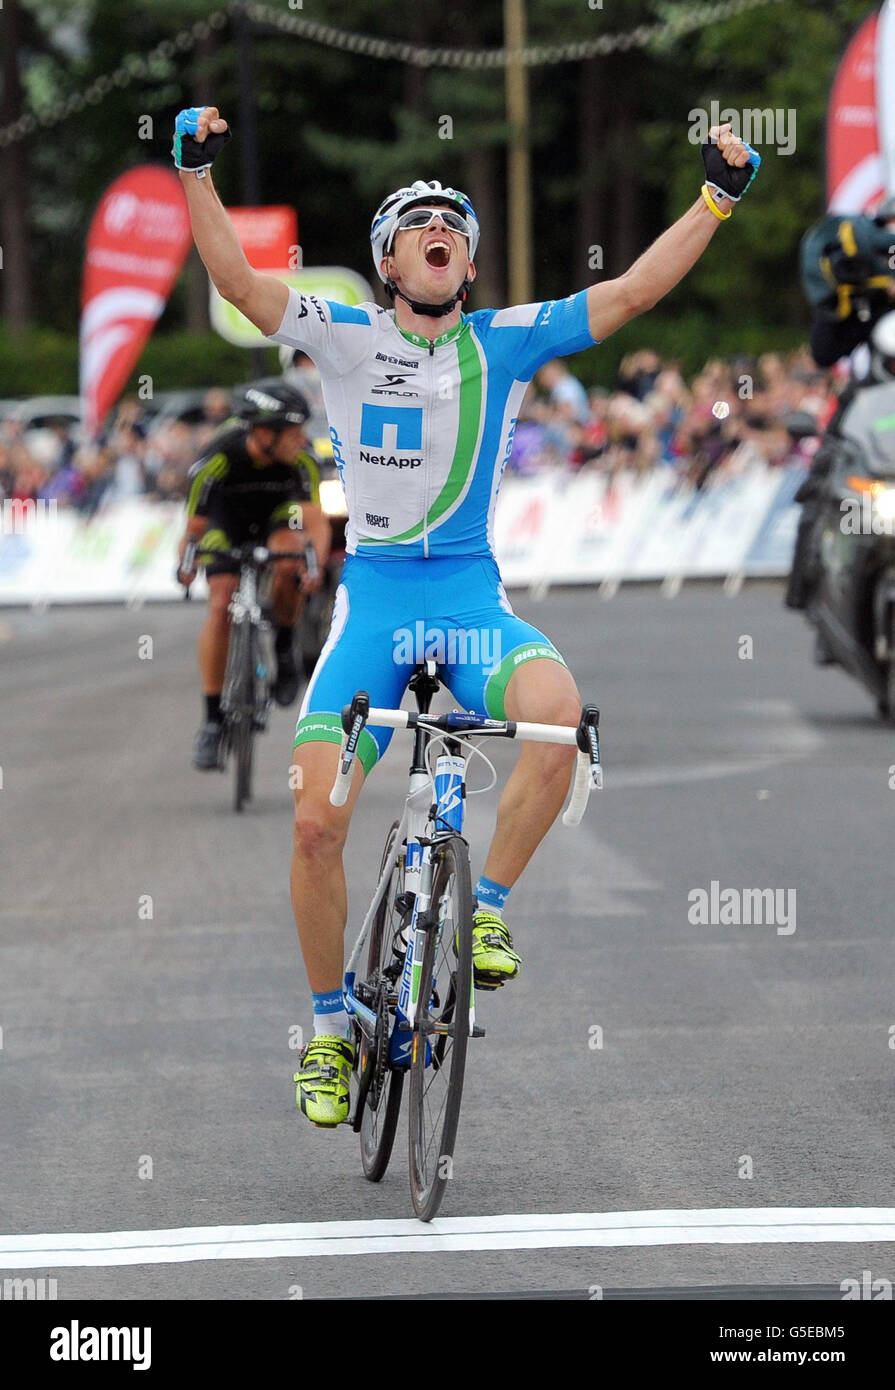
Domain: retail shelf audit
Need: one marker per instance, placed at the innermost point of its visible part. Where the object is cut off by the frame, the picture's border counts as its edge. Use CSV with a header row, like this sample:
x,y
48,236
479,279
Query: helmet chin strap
x,y
432,311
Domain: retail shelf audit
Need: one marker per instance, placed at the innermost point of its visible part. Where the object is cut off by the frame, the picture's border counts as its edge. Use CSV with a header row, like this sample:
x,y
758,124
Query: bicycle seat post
x,y
425,684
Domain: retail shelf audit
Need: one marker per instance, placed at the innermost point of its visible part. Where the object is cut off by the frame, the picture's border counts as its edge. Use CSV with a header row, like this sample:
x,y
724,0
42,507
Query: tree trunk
x,y
481,181
625,193
15,277
592,219
197,316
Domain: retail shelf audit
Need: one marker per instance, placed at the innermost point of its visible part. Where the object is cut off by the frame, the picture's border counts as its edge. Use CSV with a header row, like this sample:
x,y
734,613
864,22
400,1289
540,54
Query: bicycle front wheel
x,y
238,704
244,748
441,1032
382,1102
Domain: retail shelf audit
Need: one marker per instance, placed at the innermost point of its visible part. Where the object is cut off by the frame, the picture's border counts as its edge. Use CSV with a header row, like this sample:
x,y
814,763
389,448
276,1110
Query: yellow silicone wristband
x,y
713,206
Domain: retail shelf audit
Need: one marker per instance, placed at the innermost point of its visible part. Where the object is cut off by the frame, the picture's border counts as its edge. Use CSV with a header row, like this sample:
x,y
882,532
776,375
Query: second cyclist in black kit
x,y
257,480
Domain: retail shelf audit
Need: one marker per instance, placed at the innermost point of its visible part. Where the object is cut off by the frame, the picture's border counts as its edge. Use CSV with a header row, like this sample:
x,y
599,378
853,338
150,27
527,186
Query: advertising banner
x,y
137,243
856,176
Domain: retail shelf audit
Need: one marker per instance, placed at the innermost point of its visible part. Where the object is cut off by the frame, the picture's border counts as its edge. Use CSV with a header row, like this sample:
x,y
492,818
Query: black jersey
x,y
233,491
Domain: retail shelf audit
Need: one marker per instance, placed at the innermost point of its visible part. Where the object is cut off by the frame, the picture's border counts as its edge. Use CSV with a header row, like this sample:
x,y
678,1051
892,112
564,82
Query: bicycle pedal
x,y
477,1031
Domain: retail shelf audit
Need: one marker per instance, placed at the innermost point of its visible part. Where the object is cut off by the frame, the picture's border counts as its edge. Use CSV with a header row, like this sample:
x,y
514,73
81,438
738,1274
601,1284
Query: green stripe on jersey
x,y
216,467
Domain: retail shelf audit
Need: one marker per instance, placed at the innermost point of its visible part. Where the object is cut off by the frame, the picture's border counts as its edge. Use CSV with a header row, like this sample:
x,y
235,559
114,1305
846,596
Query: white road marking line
x,y
670,775
718,1226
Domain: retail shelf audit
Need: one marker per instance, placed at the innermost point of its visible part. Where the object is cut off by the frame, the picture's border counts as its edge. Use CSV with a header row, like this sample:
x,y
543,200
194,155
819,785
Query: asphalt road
x,y
129,1037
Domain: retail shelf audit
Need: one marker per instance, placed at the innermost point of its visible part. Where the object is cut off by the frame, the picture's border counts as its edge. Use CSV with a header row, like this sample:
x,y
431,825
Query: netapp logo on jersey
x,y
394,361
77,1343
388,460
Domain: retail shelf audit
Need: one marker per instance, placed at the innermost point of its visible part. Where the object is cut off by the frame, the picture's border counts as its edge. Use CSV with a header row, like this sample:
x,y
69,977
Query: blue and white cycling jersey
x,y
421,432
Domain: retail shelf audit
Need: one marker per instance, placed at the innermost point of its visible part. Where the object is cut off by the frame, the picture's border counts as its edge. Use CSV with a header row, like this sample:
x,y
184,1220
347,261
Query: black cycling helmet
x,y
273,402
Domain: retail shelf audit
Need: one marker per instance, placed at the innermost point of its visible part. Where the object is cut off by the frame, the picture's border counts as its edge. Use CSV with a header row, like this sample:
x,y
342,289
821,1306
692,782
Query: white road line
x,y
300,1240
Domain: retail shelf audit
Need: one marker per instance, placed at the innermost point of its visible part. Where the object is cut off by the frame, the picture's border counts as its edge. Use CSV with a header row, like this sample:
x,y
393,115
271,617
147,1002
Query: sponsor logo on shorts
x,y
528,652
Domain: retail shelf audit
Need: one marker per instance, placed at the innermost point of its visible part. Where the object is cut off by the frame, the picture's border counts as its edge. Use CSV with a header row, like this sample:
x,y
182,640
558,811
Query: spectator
x,y
652,418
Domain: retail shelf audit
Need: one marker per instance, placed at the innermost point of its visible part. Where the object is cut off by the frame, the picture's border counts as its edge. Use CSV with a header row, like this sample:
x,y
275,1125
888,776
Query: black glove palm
x,y
728,179
190,153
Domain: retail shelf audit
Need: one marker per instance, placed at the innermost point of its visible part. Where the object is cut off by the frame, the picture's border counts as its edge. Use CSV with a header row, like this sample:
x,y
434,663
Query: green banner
x,y
326,281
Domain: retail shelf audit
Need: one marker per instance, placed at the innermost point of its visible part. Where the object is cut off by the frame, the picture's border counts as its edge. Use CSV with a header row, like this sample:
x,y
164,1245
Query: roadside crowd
x,y
731,413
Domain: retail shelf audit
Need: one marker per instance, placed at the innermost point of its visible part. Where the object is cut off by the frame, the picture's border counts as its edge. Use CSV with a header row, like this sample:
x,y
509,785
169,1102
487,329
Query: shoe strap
x,y
323,1046
496,924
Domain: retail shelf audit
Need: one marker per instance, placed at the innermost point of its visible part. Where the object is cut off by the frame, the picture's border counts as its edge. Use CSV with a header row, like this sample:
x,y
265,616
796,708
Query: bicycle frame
x,y
246,606
415,842
421,826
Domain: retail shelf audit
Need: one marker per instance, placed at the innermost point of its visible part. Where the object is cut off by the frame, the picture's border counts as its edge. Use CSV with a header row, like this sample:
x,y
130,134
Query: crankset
x,y
372,1058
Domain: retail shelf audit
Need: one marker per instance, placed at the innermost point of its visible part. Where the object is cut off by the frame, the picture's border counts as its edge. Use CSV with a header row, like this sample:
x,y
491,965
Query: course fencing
x,y
552,529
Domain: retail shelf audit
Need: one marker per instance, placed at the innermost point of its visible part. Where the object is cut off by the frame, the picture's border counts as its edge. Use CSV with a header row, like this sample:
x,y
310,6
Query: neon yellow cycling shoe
x,y
493,959
323,1080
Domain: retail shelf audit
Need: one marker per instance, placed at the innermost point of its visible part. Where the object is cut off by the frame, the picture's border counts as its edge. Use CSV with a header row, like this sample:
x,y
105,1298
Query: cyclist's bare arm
x,y
661,267
262,298
316,526
196,527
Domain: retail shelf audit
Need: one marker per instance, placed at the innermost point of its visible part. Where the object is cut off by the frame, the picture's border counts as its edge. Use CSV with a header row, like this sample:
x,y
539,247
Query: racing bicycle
x,y
246,695
409,986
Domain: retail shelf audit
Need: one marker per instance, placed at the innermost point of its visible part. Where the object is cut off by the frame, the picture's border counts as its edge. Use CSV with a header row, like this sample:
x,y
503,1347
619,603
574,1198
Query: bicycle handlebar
x,y
243,555
588,771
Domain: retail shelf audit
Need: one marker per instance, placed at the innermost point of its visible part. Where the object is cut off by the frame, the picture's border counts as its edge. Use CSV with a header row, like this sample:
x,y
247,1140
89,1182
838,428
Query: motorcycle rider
x,y
861,293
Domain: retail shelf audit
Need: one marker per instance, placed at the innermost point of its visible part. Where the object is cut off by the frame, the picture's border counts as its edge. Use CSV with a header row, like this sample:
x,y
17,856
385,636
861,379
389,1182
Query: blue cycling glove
x,y
190,153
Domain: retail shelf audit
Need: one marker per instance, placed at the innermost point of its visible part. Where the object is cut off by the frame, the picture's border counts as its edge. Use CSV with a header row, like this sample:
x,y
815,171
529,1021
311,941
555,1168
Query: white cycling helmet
x,y
382,230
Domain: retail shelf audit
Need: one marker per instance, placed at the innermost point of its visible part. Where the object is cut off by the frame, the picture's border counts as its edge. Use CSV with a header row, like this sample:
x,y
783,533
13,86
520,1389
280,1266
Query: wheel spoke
x,y
379,1117
436,1086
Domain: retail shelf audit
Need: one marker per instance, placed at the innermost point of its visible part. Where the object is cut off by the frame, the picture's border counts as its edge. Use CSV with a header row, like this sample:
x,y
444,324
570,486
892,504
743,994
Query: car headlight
x,y
884,502
332,497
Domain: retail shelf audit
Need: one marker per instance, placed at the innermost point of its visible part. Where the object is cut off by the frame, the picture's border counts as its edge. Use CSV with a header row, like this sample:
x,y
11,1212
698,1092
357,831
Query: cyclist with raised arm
x,y
422,402
257,480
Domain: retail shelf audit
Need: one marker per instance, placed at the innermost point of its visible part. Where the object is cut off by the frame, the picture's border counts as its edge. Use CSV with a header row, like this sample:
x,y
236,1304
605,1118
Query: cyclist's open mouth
x,y
438,255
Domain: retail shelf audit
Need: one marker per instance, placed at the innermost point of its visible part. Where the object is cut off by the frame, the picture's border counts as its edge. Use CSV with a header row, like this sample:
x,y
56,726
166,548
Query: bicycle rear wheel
x,y
382,1101
441,1034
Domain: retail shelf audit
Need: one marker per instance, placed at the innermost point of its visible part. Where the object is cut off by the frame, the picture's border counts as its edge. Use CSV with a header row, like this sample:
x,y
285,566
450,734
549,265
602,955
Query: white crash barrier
x,y
583,529
126,553
552,529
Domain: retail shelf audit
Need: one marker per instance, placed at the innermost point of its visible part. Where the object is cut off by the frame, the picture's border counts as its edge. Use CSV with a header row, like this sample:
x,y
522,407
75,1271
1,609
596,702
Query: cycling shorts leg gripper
x,y
327,728
497,682
216,538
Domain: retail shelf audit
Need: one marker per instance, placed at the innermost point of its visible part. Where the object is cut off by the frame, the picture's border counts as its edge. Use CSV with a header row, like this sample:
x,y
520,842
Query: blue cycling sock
x,y
491,894
330,1017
